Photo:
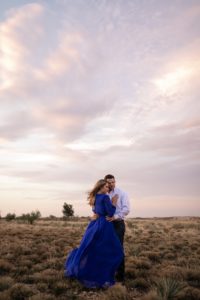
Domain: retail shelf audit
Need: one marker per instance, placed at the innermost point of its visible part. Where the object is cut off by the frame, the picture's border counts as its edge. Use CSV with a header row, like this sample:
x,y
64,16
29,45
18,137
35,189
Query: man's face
x,y
111,184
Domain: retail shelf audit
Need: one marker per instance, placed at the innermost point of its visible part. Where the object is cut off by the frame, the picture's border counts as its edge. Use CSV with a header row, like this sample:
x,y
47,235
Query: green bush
x,y
10,217
68,210
30,217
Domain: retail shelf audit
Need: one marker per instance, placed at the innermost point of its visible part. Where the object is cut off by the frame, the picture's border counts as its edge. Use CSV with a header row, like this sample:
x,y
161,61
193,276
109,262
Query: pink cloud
x,y
61,57
18,33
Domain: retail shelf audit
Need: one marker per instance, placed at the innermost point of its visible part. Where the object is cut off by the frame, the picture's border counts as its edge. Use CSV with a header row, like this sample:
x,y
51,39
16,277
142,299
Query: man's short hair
x,y
109,176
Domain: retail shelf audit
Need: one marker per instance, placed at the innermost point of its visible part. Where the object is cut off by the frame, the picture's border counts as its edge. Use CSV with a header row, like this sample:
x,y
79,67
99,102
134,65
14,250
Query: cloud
x,y
173,139
17,126
19,33
64,56
43,89
90,89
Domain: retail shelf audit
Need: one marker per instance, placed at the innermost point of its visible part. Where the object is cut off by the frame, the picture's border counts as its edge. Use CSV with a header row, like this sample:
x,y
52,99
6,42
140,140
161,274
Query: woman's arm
x,y
109,207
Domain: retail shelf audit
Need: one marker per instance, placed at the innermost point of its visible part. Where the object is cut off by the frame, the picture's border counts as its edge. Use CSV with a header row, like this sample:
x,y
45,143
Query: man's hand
x,y
114,199
110,219
94,217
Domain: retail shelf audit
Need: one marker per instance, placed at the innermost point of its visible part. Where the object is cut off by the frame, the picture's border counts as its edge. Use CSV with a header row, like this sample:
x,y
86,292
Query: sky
x,y
94,87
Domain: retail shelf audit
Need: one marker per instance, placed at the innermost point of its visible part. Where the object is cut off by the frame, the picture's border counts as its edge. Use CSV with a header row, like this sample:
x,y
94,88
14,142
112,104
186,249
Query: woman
x,y
100,253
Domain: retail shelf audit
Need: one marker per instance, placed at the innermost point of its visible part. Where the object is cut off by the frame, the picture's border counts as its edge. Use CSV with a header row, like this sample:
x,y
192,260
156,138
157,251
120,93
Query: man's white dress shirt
x,y
123,204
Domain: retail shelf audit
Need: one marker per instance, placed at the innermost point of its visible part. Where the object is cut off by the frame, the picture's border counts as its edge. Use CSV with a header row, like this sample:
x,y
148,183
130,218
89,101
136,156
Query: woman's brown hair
x,y
91,195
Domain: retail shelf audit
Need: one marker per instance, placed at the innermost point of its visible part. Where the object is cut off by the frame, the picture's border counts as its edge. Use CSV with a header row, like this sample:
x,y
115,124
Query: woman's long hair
x,y
91,195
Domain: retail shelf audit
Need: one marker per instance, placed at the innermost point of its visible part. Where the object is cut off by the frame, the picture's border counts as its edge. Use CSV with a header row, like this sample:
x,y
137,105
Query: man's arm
x,y
125,207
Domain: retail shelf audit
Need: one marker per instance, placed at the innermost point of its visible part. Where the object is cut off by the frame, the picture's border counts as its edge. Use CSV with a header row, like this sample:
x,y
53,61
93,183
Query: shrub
x,y
142,264
30,217
42,286
20,291
59,287
178,226
152,255
168,288
5,295
135,250
193,277
152,295
42,296
5,282
116,292
130,272
10,217
189,294
141,284
5,267
52,217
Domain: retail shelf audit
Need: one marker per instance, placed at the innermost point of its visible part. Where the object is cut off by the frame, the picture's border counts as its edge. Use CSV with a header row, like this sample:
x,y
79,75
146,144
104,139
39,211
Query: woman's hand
x,y
110,219
94,217
114,199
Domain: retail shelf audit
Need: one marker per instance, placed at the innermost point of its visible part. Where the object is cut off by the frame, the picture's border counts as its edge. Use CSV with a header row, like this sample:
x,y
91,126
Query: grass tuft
x,y
168,288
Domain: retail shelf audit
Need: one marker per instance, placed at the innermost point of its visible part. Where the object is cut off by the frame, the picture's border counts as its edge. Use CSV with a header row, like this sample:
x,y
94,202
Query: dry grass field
x,y
162,260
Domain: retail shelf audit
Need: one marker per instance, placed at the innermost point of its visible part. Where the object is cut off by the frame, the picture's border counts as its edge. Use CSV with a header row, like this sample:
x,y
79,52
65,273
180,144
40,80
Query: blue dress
x,y
96,260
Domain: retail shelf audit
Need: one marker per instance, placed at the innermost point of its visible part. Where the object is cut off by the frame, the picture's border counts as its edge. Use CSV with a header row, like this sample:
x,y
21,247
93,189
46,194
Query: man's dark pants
x,y
119,227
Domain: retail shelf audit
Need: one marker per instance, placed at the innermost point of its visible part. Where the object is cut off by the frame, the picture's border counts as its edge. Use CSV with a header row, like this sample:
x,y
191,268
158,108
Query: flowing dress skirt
x,y
96,260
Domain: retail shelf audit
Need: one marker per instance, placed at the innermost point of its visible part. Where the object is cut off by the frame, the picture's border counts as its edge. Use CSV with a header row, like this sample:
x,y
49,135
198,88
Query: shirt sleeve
x,y
124,206
110,209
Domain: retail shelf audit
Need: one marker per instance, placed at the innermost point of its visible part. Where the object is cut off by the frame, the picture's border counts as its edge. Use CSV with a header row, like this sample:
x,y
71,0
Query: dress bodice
x,y
103,205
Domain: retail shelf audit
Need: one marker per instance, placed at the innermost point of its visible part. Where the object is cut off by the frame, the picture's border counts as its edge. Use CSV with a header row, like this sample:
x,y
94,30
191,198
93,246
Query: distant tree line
x,y
31,217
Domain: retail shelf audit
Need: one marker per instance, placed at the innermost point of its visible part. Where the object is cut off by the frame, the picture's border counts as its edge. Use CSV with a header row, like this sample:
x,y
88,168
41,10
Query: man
x,y
122,210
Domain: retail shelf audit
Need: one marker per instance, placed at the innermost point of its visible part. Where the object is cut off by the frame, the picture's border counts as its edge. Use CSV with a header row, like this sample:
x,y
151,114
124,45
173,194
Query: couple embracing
x,y
99,259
